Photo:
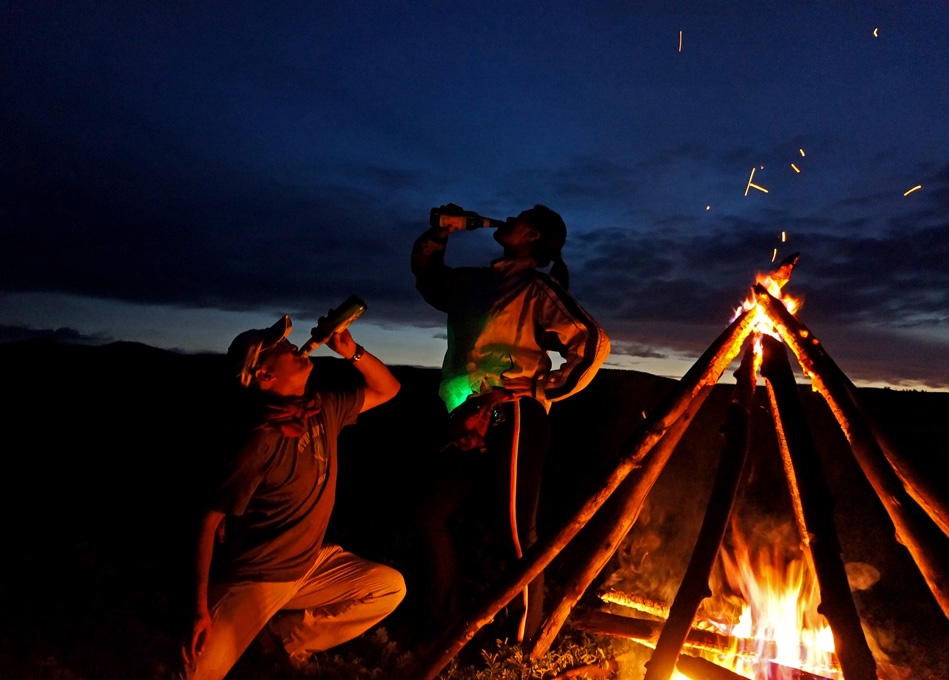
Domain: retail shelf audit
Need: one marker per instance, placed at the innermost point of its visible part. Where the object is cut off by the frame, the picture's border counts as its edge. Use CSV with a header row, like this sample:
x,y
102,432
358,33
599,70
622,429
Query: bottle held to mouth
x,y
453,217
336,321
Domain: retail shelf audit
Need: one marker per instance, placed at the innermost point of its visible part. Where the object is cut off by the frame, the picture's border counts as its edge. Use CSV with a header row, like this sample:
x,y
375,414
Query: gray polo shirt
x,y
278,494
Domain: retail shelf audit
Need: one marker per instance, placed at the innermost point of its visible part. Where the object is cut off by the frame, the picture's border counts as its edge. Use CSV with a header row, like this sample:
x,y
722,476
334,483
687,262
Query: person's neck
x,y
286,391
518,254
514,262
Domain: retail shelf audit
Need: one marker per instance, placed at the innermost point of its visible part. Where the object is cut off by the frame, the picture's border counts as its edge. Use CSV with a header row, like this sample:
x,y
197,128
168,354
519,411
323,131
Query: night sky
x,y
174,173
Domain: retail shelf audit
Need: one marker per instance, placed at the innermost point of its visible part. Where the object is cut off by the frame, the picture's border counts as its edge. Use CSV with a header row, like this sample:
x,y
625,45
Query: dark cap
x,y
552,230
244,354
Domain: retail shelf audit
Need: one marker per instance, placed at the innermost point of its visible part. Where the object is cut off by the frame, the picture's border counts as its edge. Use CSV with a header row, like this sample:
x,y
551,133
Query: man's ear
x,y
533,234
262,376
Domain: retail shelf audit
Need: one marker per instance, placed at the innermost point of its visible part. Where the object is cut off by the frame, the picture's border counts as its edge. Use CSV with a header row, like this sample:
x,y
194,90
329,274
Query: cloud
x,y
636,349
62,237
307,248
884,354
64,335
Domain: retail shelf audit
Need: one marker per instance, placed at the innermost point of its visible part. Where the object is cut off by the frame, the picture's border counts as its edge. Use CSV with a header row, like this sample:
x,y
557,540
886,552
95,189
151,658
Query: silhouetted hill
x,y
108,449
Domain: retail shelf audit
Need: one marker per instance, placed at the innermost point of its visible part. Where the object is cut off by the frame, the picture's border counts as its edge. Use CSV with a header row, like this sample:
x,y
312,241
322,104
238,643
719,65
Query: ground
x,y
108,448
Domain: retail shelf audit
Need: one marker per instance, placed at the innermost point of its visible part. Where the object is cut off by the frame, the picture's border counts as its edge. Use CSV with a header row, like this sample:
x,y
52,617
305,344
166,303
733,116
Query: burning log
x,y
698,668
631,496
781,671
925,545
647,632
637,602
814,507
705,372
694,587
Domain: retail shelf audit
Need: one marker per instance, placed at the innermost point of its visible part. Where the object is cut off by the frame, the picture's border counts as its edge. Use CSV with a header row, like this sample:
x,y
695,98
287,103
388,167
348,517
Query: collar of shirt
x,y
510,266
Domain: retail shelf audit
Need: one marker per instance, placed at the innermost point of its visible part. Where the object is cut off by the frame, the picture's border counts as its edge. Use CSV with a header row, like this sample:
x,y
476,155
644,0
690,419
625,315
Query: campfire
x,y
769,616
761,621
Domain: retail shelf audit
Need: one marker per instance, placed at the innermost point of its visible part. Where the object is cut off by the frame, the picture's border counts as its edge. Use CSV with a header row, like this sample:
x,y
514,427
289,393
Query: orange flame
x,y
768,598
774,592
774,283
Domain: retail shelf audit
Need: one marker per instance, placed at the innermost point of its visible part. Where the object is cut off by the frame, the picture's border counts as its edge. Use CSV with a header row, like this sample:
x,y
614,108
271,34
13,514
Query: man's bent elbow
x,y
379,396
393,390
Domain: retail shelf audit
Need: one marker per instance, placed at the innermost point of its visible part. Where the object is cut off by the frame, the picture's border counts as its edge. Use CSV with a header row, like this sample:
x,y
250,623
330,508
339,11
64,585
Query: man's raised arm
x,y
381,385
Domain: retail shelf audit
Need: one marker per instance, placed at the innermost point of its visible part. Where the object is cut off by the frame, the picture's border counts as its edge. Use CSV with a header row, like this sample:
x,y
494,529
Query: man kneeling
x,y
277,494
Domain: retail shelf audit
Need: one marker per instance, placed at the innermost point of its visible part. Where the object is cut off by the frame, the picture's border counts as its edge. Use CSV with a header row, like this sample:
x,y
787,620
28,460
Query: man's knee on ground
x,y
395,589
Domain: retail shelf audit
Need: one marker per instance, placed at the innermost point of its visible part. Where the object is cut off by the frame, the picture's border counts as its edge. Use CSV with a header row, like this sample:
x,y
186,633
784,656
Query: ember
x,y
750,185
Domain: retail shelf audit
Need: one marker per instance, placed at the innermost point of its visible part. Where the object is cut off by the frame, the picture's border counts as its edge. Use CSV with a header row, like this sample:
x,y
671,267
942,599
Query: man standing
x,y
277,495
498,380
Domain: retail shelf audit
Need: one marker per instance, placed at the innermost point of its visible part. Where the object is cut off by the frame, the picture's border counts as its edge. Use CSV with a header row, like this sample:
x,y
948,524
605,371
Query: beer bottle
x,y
453,217
335,321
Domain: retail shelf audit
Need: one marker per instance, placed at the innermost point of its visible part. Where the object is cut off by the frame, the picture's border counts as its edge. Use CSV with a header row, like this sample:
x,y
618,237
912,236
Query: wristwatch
x,y
357,355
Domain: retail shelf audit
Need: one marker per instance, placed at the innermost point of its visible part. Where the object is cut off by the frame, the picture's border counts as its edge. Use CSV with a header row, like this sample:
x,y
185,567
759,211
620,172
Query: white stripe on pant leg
x,y
516,438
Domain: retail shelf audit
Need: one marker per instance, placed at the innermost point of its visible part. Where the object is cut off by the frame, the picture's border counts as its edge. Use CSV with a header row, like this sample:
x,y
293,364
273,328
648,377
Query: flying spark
x,y
754,185
784,236
680,41
875,34
802,151
774,255
795,167
918,186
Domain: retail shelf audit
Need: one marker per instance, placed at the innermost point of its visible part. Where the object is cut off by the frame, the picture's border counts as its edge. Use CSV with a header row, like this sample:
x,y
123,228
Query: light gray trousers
x,y
340,597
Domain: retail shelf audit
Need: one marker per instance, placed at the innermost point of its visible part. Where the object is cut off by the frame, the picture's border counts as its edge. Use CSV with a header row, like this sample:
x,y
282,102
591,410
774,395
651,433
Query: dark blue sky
x,y
174,174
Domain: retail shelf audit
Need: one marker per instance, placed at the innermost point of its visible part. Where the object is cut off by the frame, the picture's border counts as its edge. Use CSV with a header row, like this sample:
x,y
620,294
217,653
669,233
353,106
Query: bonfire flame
x,y
778,622
765,598
763,611
774,284
775,592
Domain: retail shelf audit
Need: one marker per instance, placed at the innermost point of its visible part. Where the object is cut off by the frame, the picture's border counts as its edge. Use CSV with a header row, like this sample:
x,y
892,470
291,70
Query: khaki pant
x,y
342,596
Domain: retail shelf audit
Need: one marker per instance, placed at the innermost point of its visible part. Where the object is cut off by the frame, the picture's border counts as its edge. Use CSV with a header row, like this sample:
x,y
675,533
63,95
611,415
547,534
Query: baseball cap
x,y
249,348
